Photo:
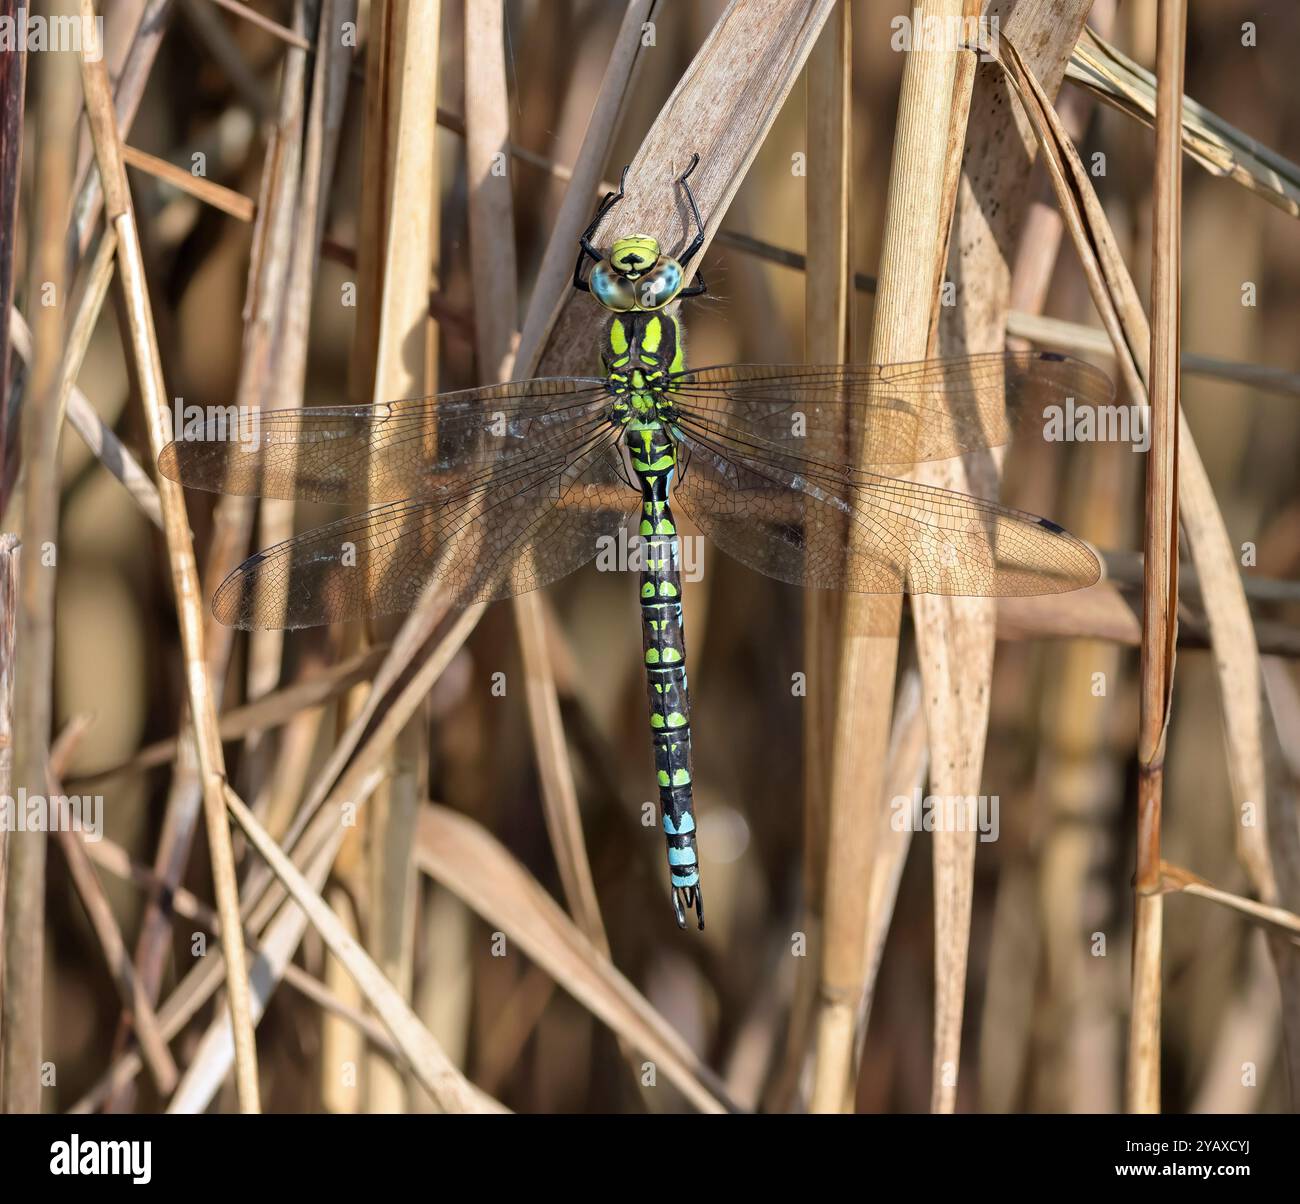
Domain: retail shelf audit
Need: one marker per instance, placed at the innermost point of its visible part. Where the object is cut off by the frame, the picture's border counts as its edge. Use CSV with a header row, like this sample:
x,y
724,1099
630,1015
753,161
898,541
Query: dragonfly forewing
x,y
420,447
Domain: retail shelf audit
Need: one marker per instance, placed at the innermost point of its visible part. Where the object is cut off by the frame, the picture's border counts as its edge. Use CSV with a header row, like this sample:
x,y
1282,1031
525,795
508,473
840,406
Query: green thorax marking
x,y
641,350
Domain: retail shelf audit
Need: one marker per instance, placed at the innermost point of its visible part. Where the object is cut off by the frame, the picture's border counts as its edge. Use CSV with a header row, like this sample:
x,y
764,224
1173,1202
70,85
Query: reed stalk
x,y
828,331
1160,549
911,250
210,759
33,641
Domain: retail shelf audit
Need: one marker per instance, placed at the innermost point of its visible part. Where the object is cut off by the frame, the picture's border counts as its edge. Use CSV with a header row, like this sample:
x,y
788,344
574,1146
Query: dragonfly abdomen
x,y
654,460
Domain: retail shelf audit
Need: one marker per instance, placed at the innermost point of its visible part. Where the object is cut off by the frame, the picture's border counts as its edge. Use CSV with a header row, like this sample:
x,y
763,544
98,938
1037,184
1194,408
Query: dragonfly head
x,y
636,276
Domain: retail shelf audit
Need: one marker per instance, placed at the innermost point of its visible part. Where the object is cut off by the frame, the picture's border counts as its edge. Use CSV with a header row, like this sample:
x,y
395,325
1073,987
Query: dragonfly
x,y
794,470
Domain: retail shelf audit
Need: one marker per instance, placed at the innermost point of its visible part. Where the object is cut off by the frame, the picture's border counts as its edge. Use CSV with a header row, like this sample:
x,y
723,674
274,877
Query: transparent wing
x,y
383,453
897,415
501,530
831,528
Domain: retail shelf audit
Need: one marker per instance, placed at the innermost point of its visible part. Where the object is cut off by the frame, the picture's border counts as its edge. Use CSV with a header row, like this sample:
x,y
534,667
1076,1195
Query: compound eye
x,y
610,289
659,285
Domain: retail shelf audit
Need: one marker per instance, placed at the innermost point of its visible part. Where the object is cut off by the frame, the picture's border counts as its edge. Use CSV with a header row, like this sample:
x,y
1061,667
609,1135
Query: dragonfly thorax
x,y
640,352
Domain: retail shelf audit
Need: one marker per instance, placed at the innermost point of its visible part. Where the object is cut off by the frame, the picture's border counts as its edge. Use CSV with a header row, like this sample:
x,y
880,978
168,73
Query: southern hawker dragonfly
x,y
500,490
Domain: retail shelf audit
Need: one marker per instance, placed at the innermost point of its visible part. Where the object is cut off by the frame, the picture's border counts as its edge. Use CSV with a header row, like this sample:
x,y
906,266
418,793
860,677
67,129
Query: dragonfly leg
x,y
698,289
698,241
585,248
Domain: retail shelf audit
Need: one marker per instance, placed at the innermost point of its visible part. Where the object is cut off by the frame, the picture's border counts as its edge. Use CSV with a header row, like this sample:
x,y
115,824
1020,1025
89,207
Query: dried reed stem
x,y
318,828
429,1064
1236,660
94,899
24,924
956,636
492,257
10,548
955,640
148,367
288,36
412,192
116,861
1160,548
913,240
13,74
828,327
470,862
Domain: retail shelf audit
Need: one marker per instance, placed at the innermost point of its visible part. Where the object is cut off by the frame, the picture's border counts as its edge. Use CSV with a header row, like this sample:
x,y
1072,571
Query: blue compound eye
x,y
660,285
613,291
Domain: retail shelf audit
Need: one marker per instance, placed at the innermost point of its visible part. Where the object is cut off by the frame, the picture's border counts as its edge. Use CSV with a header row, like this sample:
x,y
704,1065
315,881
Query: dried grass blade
x,y
955,636
1237,654
992,157
1174,879
13,78
1160,548
144,350
911,253
828,329
429,1064
909,761
556,271
1220,148
24,922
97,435
1112,290
1282,753
91,892
468,861
496,304
413,190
